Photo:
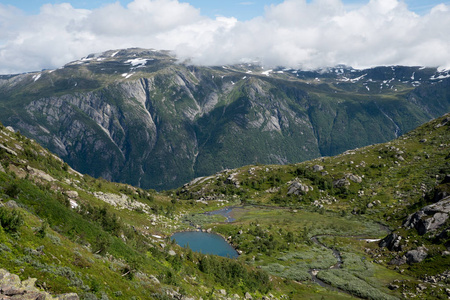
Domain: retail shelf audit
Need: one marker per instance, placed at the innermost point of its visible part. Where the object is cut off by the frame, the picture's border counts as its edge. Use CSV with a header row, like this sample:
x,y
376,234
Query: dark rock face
x,y
430,218
392,242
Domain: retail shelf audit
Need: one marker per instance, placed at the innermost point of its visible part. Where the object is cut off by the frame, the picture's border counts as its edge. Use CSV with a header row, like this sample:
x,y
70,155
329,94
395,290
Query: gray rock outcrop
x,y
416,256
430,218
11,287
341,183
317,168
298,188
392,242
355,178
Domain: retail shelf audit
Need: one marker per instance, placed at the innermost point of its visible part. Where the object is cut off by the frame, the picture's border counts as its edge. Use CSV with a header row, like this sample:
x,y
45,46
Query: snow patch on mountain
x,y
36,77
138,62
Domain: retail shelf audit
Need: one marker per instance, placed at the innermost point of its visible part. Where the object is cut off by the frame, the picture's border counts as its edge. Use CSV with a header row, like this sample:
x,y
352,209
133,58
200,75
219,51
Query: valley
x,y
351,222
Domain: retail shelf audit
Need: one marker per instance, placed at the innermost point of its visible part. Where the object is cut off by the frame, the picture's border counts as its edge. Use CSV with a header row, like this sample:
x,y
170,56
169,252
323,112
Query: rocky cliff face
x,y
138,116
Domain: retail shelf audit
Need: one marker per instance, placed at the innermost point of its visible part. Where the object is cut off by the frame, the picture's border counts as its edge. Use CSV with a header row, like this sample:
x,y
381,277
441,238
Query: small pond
x,y
206,243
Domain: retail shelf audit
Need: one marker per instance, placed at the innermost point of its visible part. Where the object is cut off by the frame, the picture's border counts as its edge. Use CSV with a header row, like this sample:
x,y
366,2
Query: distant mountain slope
x,y
138,116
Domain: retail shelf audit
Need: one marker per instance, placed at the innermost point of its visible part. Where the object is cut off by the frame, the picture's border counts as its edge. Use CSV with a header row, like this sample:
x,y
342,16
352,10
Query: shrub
x,y
42,231
12,190
10,219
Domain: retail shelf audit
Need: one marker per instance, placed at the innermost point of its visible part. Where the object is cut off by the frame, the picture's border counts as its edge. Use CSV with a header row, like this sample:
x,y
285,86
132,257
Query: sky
x,y
307,34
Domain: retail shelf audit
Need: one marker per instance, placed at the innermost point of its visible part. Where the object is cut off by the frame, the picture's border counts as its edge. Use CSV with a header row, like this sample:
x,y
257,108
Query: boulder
x,y
393,287
398,261
12,288
154,280
416,256
355,178
12,204
71,194
392,242
1,168
298,188
430,218
36,173
8,150
317,168
444,235
341,183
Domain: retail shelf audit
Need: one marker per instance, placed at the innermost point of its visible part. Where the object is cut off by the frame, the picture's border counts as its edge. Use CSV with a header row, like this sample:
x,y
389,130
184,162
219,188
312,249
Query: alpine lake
x,y
205,242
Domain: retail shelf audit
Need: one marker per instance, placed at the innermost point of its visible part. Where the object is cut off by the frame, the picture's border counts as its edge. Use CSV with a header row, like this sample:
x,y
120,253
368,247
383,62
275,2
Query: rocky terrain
x,y
141,117
11,287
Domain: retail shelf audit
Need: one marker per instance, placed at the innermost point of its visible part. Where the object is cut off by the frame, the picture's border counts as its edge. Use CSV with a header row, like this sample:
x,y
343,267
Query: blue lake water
x,y
206,243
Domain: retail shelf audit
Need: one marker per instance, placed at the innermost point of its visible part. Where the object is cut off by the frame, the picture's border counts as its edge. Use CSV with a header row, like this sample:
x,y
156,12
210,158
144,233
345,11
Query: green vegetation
x,y
291,223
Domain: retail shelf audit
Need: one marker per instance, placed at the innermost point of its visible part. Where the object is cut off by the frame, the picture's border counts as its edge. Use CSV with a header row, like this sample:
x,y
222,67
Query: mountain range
x,y
143,117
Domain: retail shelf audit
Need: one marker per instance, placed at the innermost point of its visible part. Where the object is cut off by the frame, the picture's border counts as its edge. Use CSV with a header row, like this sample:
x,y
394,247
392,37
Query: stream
x,y
227,211
314,272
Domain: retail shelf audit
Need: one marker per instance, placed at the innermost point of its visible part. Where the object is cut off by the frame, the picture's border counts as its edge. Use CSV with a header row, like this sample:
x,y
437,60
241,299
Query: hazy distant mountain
x,y
139,116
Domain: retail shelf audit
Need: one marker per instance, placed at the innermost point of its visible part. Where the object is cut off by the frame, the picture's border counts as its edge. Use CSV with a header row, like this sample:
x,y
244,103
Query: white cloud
x,y
292,34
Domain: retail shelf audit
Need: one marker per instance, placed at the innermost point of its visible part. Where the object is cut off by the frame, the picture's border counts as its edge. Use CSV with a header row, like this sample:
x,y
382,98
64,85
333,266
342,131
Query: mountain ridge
x,y
162,123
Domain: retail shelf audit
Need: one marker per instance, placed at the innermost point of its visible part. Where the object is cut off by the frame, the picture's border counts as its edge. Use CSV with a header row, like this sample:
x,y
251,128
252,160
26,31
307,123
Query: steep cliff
x,y
139,116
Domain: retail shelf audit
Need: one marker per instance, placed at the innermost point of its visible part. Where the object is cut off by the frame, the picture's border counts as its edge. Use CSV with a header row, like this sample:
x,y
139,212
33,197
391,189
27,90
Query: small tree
x,y
10,219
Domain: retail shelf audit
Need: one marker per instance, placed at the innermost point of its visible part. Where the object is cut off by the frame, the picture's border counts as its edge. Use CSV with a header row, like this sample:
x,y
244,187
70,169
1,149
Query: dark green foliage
x,y
10,219
101,244
231,272
42,231
12,190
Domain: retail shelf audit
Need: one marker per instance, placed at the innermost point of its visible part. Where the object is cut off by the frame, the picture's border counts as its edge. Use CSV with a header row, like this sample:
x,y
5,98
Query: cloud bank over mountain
x,y
293,34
